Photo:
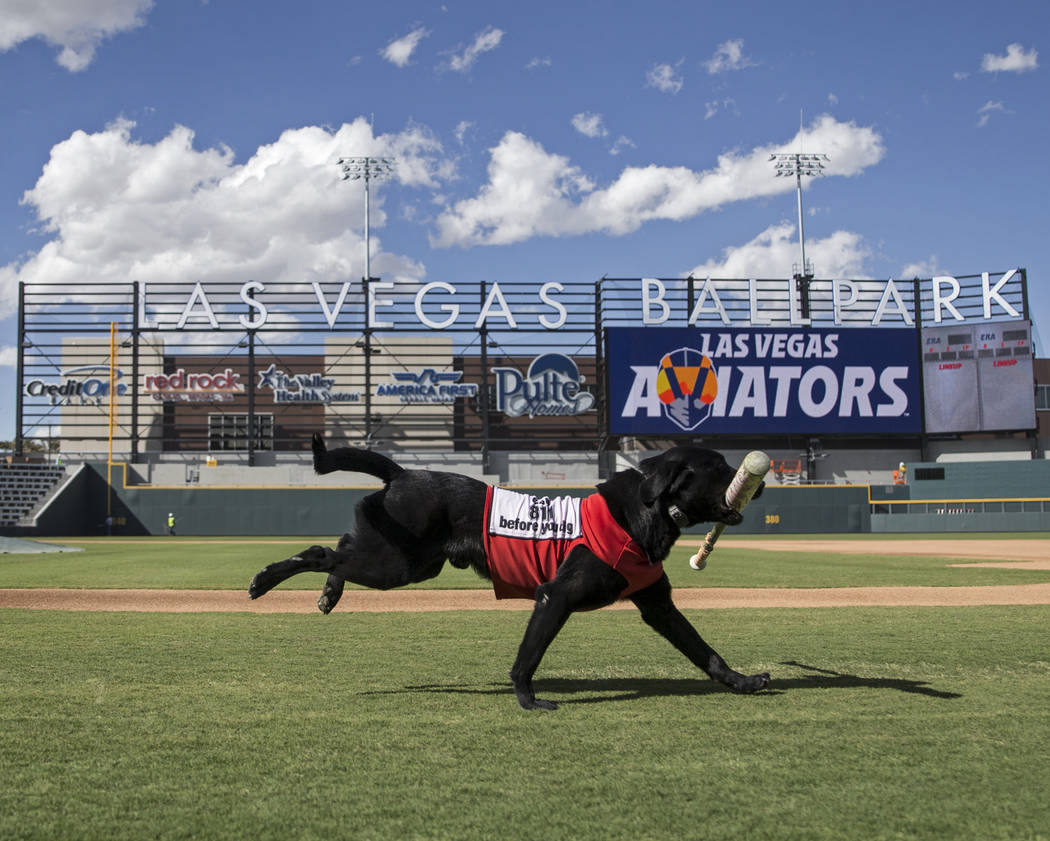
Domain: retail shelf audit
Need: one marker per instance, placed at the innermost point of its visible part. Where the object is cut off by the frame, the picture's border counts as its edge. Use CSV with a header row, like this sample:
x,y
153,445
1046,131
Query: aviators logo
x,y
687,387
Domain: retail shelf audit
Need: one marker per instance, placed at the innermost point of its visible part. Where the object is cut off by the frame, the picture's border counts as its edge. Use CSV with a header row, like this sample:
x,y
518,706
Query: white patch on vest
x,y
537,517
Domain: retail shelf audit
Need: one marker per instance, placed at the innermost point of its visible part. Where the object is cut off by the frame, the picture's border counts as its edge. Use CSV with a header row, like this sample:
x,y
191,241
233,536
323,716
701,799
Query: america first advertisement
x,y
674,381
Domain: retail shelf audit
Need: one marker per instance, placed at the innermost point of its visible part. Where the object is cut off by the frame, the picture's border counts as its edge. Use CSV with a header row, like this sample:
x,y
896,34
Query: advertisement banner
x,y
665,381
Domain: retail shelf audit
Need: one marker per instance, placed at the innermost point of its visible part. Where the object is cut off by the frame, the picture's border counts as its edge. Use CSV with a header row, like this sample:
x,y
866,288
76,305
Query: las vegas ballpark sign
x,y
763,380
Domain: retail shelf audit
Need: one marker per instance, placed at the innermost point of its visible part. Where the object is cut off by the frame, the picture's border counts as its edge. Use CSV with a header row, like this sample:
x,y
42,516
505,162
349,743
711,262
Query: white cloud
x,y
117,209
984,113
589,125
621,144
1016,60
531,192
399,51
959,75
8,356
526,186
76,27
774,253
922,269
713,107
461,129
538,62
487,40
664,78
728,56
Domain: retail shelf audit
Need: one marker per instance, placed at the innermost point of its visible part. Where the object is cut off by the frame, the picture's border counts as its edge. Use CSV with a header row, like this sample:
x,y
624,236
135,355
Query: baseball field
x,y
143,696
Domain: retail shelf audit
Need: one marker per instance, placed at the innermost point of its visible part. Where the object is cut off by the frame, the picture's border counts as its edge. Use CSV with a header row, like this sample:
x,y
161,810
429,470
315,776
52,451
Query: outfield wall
x,y
319,511
933,505
961,520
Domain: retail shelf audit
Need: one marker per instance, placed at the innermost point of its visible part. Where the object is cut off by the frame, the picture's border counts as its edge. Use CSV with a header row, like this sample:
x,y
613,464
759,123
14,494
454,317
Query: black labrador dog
x,y
419,519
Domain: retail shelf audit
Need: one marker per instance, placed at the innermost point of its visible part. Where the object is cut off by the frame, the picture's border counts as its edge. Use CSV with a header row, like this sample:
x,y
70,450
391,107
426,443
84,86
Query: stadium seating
x,y
23,486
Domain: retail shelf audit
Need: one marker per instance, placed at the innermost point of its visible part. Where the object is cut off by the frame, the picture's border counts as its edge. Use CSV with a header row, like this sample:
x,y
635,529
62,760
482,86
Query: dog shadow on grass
x,y
828,679
606,690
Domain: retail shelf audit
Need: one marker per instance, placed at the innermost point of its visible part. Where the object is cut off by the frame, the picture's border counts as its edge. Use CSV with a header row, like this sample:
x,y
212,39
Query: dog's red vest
x,y
527,538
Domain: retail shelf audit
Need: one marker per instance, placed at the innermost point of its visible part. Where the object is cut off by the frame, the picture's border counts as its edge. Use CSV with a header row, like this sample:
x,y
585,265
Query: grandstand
x,y
203,398
24,487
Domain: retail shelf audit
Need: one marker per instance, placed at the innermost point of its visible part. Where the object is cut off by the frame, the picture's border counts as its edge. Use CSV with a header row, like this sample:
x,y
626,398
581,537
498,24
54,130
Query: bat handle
x,y
699,560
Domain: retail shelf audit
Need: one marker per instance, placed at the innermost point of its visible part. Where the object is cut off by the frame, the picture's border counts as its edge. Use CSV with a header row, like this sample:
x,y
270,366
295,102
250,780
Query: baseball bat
x,y
750,475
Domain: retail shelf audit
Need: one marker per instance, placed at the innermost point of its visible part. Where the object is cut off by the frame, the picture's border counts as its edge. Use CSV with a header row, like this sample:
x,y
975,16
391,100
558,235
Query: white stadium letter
x,y
648,299
708,289
451,309
198,296
993,292
945,300
836,297
373,288
260,319
331,314
504,310
552,324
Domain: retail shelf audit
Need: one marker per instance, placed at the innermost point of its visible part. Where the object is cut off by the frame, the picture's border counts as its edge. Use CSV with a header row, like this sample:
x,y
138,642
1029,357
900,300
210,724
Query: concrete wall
x,y
959,523
981,480
328,511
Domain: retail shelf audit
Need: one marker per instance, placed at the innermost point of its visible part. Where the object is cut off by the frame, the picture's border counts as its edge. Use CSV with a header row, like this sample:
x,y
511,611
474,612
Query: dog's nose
x,y
732,518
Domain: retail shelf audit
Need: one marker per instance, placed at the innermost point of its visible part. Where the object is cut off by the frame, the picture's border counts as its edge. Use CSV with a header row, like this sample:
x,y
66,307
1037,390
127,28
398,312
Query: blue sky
x,y
162,140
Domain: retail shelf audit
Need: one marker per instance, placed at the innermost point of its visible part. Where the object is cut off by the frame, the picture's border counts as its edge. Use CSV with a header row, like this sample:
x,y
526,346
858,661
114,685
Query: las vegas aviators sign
x,y
687,387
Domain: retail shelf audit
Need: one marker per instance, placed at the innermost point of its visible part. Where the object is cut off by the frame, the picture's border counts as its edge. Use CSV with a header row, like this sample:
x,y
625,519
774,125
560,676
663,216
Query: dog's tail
x,y
353,459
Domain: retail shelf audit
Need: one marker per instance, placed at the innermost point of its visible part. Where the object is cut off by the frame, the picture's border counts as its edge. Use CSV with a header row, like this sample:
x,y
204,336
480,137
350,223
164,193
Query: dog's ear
x,y
664,476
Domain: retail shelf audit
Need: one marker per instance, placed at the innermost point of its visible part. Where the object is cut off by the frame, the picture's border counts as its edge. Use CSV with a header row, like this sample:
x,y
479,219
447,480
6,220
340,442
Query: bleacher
x,y
22,486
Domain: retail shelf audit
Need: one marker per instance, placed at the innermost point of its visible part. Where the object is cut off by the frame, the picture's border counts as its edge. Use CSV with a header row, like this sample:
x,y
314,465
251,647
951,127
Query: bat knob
x,y
698,562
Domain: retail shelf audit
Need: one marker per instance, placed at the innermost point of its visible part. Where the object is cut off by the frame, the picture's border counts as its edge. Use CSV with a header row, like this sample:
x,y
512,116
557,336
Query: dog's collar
x,y
678,515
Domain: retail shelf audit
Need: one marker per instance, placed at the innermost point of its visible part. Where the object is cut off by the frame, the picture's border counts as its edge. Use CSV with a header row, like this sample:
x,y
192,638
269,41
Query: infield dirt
x,y
1012,554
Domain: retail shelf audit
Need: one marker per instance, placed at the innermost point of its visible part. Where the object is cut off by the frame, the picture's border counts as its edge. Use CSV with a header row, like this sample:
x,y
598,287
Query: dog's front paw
x,y
750,683
260,585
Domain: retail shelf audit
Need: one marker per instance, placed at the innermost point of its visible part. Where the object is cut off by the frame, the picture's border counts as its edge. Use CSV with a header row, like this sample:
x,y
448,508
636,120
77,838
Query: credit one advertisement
x,y
763,381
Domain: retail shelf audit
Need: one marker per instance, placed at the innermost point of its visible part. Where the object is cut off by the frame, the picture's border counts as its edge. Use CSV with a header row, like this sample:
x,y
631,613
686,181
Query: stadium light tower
x,y
798,165
366,168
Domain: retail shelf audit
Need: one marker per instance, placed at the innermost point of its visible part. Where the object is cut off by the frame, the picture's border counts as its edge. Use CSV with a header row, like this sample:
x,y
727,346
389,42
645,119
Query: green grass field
x,y
880,723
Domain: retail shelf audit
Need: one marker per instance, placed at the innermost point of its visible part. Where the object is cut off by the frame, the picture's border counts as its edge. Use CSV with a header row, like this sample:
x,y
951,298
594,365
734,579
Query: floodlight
x,y
366,168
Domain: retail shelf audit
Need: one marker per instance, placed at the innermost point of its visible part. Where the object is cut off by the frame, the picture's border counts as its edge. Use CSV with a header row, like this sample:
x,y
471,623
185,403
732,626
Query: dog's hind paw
x,y
537,704
528,699
330,594
325,604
